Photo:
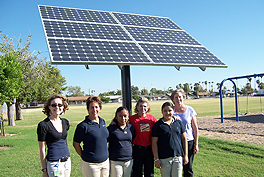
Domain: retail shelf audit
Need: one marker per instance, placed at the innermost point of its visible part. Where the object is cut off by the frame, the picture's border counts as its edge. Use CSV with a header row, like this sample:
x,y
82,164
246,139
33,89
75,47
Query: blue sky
x,y
233,30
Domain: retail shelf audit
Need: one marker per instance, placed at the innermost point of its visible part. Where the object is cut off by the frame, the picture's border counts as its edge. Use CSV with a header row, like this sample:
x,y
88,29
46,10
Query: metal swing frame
x,y
235,88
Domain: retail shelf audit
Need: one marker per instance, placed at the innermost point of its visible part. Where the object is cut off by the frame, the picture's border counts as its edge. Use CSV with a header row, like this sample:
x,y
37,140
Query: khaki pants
x,y
121,168
95,169
171,167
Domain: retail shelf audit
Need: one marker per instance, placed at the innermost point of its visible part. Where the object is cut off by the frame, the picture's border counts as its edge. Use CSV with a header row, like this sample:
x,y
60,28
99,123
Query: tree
x,y
153,91
74,91
112,92
170,90
104,99
260,84
135,97
197,88
135,90
212,86
218,86
179,86
10,82
40,79
118,92
205,83
186,88
159,92
144,92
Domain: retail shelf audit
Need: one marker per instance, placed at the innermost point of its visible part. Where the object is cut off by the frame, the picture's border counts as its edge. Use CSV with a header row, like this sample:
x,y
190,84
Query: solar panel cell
x,y
148,21
59,13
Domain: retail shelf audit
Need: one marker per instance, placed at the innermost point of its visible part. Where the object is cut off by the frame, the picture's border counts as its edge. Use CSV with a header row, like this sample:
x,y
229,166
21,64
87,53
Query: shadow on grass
x,y
248,118
237,148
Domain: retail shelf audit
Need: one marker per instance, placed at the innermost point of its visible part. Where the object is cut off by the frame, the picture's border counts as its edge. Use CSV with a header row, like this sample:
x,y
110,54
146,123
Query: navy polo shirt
x,y
94,137
120,142
169,138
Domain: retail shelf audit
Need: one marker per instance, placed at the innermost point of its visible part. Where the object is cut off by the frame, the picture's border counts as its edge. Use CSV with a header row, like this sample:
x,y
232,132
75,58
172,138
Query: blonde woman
x,y
188,117
142,152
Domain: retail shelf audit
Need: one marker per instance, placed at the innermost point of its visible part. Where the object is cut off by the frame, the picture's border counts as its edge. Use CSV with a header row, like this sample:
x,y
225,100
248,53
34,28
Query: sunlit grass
x,y
216,157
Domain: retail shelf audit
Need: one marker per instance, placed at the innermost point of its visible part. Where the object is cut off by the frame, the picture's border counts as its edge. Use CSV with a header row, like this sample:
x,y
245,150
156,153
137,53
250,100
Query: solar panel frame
x,y
79,36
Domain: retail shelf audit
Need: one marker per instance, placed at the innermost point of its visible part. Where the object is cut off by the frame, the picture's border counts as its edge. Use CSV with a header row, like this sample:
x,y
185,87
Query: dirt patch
x,y
4,147
12,134
249,128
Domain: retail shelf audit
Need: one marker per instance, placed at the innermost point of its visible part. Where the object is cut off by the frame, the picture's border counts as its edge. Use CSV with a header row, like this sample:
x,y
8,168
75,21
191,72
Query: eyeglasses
x,y
55,105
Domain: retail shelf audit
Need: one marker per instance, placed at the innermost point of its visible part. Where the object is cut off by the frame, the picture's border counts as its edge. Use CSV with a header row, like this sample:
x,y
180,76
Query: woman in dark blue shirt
x,y
120,139
93,133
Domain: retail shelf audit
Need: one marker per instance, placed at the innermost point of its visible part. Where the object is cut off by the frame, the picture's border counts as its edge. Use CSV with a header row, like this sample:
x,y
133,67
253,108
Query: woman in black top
x,y
121,135
52,132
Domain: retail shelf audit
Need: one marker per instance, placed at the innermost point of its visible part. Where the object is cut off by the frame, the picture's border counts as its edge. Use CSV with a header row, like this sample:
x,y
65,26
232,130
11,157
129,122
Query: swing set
x,y
236,98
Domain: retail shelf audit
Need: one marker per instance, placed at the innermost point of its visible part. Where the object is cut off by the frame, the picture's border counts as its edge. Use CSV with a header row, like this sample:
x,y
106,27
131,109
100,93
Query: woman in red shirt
x,y
142,152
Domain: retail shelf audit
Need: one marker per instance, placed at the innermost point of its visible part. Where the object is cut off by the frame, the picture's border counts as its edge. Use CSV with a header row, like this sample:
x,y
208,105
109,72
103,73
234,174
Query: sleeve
x,y
132,129
79,134
193,112
67,124
182,127
109,130
41,131
155,130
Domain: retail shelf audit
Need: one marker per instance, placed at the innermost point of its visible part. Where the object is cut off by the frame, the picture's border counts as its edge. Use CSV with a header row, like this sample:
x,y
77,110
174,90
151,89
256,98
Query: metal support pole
x,y
126,88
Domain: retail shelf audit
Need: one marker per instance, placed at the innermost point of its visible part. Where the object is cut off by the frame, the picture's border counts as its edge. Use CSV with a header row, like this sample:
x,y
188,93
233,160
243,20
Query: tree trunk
x,y
2,127
19,115
10,113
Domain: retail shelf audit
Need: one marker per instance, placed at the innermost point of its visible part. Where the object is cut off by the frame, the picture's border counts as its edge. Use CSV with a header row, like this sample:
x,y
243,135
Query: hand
x,y
176,117
112,123
158,164
185,160
196,149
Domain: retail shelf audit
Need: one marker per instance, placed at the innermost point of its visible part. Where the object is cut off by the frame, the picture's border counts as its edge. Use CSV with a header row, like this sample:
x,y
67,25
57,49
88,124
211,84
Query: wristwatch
x,y
44,170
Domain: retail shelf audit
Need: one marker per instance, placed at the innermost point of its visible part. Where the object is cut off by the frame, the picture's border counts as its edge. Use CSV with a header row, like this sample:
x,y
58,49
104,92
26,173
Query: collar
x,y
87,120
173,120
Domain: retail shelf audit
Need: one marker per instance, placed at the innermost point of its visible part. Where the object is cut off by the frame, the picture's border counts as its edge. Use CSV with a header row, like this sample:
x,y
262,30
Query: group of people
x,y
129,146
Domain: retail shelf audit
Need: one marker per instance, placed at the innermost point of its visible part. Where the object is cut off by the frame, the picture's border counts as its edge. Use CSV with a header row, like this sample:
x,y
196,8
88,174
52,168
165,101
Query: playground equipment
x,y
235,88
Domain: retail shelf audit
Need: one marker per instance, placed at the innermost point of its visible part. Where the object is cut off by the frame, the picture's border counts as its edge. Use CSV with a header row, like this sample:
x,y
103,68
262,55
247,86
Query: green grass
x,y
215,158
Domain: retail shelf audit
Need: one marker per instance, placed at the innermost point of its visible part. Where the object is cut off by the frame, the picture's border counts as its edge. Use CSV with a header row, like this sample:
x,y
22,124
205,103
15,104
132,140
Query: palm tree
x,y
205,82
197,88
218,86
186,88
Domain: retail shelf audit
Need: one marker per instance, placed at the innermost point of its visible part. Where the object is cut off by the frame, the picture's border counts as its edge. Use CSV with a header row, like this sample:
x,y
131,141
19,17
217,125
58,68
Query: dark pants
x,y
143,156
187,169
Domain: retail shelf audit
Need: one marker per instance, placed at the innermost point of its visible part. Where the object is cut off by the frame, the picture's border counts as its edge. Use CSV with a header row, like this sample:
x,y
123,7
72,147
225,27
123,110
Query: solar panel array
x,y
78,36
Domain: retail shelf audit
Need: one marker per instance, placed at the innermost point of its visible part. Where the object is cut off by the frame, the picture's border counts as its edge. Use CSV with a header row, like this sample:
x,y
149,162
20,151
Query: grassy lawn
x,y
216,157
